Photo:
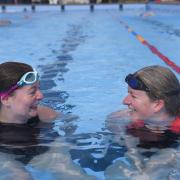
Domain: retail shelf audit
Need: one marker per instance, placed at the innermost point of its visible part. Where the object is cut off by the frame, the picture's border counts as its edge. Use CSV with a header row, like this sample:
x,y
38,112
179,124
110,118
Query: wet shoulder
x,y
117,121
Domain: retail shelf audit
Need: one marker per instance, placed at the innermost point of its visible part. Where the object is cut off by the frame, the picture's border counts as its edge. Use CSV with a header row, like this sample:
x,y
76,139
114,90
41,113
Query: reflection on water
x,y
131,154
150,155
95,151
26,140
148,139
30,151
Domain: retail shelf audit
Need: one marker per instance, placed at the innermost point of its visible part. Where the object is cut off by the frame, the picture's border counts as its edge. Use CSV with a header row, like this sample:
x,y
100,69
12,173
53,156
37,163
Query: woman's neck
x,y
160,119
6,117
159,123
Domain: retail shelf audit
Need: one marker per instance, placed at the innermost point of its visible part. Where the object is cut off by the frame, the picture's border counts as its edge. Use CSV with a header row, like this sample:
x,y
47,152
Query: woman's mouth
x,y
34,106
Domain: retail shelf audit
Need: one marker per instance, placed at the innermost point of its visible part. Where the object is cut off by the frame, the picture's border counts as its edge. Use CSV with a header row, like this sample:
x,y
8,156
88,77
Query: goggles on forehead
x,y
28,78
136,83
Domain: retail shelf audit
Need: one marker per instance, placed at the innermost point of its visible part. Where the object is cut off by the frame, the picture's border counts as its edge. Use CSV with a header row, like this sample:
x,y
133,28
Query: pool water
x,y
83,57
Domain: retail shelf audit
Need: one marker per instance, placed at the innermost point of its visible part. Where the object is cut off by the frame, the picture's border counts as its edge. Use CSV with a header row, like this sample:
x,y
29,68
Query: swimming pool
x,y
83,57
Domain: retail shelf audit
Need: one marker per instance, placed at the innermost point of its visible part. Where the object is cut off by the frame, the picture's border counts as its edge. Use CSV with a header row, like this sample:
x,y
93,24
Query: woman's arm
x,y
47,114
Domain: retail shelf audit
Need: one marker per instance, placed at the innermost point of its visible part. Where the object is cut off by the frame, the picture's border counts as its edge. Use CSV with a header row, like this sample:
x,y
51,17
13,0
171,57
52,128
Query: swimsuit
x,y
155,139
174,126
26,140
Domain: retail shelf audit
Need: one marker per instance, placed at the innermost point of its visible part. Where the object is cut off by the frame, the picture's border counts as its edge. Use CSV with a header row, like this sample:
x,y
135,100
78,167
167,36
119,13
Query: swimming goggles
x,y
136,83
28,78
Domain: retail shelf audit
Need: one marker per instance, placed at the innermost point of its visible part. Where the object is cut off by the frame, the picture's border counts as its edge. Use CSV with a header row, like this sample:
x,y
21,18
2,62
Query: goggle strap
x,y
4,94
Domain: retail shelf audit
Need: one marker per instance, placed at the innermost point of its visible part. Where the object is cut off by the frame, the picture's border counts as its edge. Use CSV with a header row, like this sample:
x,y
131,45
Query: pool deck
x,y
38,7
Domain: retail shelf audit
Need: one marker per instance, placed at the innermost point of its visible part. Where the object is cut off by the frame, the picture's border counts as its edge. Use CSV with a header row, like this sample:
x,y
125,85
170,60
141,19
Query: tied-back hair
x,y
163,84
10,74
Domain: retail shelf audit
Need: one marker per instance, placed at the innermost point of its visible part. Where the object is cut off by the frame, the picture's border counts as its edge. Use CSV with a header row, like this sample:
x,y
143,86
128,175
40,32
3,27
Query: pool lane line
x,y
151,47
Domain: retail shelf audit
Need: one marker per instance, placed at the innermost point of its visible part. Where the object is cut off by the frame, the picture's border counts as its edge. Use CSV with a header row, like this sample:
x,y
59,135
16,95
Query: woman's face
x,y
140,104
24,102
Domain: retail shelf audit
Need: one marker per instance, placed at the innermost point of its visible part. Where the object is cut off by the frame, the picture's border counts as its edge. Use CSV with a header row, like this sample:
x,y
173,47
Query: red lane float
x,y
152,48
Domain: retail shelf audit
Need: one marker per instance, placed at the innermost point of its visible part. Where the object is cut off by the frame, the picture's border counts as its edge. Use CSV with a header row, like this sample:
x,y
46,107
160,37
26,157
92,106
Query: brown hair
x,y
10,74
163,84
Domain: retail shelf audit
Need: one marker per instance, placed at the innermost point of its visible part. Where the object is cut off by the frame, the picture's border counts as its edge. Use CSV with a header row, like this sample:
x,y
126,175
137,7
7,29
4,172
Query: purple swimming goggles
x,y
136,83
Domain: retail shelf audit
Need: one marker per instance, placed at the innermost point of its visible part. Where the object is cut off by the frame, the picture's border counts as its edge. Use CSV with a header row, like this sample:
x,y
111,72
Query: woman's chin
x,y
33,113
135,117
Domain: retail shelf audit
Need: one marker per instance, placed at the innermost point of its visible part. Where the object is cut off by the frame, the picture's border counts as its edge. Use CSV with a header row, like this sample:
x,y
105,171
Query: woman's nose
x,y
39,95
126,100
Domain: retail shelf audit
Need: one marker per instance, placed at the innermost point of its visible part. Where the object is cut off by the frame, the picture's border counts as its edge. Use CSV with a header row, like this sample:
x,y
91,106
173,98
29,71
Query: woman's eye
x,y
32,91
133,96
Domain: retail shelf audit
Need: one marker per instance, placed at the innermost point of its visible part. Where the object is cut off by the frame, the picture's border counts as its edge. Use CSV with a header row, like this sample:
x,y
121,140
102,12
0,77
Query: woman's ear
x,y
5,100
158,105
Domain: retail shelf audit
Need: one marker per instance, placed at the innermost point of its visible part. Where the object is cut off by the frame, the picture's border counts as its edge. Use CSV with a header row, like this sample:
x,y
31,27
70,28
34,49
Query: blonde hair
x,y
163,84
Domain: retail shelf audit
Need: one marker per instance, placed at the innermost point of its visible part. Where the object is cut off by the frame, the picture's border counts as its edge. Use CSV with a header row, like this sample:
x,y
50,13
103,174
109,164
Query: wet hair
x,y
163,84
10,74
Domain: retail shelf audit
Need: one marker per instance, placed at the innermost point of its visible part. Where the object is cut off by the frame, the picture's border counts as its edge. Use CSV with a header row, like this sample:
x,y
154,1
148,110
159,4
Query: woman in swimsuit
x,y
20,95
153,124
25,134
153,99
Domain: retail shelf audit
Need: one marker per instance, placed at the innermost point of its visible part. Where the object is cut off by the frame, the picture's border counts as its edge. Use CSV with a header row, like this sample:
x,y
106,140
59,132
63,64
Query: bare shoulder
x,y
47,114
121,114
116,122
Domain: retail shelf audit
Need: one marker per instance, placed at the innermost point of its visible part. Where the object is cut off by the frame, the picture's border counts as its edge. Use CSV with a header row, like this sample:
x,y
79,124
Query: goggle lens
x,y
136,83
28,78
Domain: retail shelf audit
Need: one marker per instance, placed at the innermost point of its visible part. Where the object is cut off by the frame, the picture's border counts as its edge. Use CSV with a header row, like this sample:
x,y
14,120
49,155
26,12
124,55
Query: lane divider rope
x,y
151,47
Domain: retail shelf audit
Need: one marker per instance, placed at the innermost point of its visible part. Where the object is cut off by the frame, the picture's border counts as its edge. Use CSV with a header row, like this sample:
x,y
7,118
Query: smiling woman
x,y
20,116
24,131
20,95
153,99
160,100
153,129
